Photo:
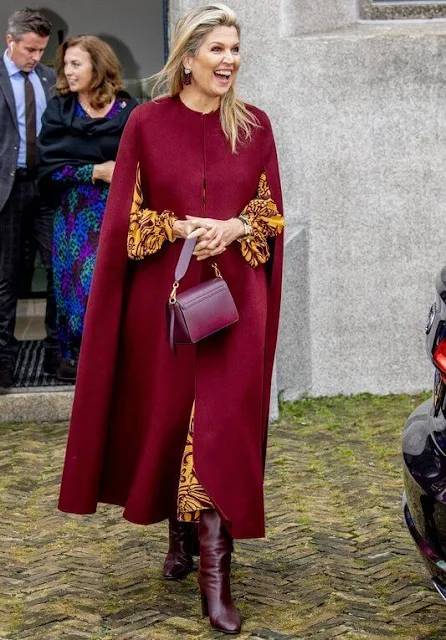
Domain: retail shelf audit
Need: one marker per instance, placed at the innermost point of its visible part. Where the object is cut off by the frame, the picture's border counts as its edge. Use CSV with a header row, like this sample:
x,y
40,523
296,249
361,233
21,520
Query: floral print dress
x,y
77,224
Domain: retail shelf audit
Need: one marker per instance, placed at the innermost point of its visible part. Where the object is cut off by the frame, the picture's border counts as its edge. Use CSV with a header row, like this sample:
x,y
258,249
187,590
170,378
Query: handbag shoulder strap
x,y
184,259
180,271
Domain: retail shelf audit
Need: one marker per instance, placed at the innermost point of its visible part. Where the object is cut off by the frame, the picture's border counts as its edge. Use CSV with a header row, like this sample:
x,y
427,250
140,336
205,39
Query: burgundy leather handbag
x,y
201,310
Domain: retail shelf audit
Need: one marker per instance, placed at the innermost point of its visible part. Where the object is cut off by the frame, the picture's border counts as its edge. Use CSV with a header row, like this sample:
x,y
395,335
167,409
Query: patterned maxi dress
x,y
77,224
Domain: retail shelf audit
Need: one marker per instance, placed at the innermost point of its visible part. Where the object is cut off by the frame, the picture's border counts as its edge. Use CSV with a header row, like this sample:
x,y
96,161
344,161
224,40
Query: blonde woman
x,y
183,436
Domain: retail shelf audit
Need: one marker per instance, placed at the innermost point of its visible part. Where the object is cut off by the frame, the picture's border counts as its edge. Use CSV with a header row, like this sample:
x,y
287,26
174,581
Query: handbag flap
x,y
205,311
200,292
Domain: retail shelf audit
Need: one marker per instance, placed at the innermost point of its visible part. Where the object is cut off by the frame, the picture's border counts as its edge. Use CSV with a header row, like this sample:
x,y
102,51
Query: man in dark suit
x,y
25,87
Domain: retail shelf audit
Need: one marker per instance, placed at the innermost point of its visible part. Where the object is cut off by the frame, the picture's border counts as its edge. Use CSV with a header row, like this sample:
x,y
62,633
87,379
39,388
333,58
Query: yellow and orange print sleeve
x,y
148,230
265,221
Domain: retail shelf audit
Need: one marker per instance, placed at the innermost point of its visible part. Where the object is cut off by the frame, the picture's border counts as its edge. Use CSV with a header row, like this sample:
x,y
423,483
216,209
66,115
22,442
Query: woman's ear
x,y
187,62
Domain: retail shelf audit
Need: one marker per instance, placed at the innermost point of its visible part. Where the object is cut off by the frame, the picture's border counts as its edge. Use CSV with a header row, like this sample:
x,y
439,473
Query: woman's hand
x,y
104,171
190,228
218,235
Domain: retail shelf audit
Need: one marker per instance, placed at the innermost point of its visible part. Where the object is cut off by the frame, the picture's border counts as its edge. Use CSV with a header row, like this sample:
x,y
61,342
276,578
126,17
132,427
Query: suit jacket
x,y
9,139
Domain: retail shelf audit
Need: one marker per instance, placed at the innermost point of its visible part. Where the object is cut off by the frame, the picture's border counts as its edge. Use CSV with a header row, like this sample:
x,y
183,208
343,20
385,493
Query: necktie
x,y
30,119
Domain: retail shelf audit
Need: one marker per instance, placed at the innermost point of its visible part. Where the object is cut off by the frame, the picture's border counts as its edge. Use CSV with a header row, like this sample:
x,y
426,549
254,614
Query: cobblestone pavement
x,y
337,562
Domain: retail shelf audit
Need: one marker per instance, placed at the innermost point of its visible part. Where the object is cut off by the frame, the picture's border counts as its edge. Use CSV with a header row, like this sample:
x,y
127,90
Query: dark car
x,y
424,451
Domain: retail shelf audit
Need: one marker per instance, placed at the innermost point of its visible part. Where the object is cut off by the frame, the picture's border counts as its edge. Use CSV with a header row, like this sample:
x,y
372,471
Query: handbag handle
x,y
184,258
183,265
180,271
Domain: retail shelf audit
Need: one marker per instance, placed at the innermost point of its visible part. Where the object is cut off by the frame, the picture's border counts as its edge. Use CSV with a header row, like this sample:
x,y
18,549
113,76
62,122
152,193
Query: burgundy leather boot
x,y
213,575
183,545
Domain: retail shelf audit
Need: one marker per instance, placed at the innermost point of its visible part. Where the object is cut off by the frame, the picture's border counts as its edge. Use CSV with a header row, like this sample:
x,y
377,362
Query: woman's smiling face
x,y
78,69
215,65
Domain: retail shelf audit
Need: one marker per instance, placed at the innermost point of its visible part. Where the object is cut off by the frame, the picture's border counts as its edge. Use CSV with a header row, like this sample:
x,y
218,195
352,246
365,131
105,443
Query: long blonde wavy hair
x,y
236,120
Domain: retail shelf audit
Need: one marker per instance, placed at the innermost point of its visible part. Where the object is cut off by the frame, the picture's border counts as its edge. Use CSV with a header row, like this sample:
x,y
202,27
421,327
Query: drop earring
x,y
187,76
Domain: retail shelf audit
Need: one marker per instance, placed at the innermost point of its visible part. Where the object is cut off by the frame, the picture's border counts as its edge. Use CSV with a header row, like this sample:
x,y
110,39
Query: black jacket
x,y
69,139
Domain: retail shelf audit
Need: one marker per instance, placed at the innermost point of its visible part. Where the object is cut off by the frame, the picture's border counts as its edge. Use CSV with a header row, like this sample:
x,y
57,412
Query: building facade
x,y
355,91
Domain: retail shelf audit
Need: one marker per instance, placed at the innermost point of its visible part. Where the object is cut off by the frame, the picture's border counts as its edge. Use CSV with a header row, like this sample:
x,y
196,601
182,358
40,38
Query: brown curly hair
x,y
107,72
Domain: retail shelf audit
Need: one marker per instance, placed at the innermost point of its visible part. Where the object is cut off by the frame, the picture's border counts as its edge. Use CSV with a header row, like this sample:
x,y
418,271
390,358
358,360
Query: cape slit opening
x,y
192,497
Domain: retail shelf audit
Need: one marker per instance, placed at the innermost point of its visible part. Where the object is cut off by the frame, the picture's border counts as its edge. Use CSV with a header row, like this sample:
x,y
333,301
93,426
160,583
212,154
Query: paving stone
x,y
337,562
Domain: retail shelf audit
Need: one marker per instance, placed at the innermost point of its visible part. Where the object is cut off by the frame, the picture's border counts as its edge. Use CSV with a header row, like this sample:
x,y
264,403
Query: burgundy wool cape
x,y
133,397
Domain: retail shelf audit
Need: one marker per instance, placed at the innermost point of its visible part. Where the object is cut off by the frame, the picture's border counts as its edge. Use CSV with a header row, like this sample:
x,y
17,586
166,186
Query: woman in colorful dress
x,y
81,130
183,437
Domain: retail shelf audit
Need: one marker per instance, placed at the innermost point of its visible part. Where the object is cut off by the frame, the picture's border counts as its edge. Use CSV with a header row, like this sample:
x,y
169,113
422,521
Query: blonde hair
x,y
236,120
107,74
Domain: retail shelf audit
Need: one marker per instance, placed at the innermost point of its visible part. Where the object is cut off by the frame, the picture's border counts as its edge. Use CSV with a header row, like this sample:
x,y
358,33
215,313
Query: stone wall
x,y
372,153
401,10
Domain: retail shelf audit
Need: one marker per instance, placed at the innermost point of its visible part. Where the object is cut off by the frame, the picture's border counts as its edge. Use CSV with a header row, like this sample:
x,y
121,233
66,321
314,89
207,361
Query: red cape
x,y
133,396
